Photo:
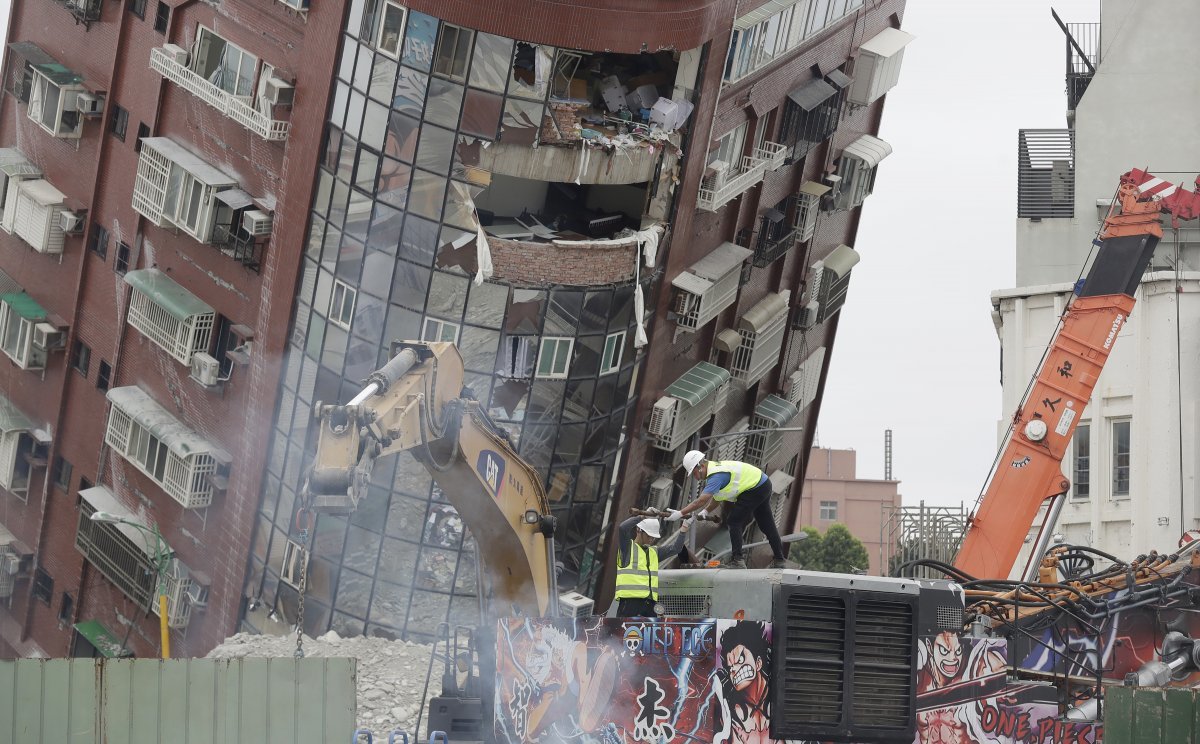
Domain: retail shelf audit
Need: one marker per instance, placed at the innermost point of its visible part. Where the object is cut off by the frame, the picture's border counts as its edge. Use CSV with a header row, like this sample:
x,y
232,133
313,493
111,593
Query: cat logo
x,y
490,467
1022,462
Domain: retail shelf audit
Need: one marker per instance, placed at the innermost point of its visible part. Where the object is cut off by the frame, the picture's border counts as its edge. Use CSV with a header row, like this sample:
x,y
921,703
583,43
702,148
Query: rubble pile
x,y
391,674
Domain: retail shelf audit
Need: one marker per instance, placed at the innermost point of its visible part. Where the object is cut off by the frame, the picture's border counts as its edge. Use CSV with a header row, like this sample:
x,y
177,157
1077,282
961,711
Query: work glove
x,y
702,514
673,515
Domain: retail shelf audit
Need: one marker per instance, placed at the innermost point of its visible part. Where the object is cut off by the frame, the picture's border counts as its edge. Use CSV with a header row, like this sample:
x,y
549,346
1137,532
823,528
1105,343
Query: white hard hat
x,y
649,525
691,460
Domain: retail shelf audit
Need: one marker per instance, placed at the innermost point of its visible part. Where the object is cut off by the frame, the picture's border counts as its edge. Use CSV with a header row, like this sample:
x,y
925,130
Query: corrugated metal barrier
x,y
192,701
1151,715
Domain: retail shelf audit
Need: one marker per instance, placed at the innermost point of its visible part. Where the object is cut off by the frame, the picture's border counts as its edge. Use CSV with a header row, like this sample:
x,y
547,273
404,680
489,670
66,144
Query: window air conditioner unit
x,y
178,54
47,337
256,222
659,496
89,104
574,604
205,369
662,417
70,222
10,564
806,316
720,172
278,92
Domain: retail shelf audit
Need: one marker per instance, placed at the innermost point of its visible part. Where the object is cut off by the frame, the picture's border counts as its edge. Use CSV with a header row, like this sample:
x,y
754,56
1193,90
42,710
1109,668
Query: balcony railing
x,y
85,11
238,246
1083,57
770,249
237,108
1046,173
713,195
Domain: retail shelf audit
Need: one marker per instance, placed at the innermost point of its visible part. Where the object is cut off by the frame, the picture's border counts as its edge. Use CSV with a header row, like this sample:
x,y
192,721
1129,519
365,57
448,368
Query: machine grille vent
x,y
685,605
883,664
814,661
950,617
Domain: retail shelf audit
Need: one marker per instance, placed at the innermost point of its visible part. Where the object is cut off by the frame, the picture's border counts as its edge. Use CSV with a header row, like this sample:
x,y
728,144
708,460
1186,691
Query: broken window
x,y
530,71
225,65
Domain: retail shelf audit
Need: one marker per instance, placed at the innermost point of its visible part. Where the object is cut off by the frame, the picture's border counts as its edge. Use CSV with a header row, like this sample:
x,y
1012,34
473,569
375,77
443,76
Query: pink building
x,y
833,494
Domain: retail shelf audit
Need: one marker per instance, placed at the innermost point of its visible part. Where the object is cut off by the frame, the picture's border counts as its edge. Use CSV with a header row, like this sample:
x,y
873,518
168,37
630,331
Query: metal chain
x,y
305,536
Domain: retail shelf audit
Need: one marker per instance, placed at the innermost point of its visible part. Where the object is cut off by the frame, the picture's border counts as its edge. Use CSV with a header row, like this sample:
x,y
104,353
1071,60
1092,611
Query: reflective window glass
x,y
420,37
393,182
353,592
384,233
444,102
409,286
401,141
409,97
435,149
491,62
383,79
485,305
427,195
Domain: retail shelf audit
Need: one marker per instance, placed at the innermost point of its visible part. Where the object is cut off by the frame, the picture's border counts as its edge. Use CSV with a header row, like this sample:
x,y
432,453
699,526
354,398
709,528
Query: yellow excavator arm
x,y
415,403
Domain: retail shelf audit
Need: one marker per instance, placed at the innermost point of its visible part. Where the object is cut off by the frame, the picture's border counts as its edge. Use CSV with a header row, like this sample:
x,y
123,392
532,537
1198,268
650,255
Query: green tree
x,y
842,552
807,552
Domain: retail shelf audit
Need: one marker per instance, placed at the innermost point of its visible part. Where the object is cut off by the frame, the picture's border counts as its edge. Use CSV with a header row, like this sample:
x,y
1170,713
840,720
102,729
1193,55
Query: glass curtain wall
x,y
390,209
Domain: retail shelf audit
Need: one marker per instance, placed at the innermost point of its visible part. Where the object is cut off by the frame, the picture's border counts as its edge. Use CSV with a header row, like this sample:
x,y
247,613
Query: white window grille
x,y
732,448
614,347
341,304
162,447
554,357
53,100
168,315
453,51
708,286
774,412
857,167
829,511
37,208
174,187
808,205
16,449
14,168
762,329
224,76
295,559
801,386
688,405
391,29
440,330
877,68
19,317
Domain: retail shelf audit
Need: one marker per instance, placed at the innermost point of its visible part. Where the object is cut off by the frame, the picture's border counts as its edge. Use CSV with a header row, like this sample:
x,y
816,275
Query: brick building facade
x,y
261,196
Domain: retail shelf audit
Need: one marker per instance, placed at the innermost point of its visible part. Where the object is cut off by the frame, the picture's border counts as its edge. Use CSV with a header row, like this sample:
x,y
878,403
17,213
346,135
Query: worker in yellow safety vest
x,y
748,491
637,565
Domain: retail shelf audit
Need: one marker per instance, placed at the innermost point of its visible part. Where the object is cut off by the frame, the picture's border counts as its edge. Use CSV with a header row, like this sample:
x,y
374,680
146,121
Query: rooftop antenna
x,y
887,454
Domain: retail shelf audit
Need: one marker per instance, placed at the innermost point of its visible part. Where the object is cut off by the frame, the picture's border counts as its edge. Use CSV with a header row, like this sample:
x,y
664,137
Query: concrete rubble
x,y
391,674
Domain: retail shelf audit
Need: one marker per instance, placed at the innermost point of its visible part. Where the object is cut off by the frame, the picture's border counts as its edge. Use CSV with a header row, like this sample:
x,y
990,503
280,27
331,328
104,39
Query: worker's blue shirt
x,y
717,481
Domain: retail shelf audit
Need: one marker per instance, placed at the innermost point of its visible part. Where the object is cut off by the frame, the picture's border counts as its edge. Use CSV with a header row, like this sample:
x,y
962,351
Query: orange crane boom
x,y
1029,471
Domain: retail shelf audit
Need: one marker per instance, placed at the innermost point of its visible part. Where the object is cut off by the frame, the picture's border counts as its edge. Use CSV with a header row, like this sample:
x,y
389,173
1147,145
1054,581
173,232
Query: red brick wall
x,y
673,353
542,264
86,292
628,26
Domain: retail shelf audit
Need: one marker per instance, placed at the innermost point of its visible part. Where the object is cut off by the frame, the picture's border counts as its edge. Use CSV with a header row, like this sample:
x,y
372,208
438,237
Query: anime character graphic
x,y
953,684
744,689
557,692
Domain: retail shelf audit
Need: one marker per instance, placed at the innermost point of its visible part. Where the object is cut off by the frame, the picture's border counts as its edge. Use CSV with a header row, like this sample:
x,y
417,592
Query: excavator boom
x,y
415,403
1029,470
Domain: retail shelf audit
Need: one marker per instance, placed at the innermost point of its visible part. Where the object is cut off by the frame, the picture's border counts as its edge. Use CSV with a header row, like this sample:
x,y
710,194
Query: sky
x,y
916,351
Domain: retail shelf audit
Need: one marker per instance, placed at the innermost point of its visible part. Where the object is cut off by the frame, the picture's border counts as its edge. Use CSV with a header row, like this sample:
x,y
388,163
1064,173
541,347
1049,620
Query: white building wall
x,y
1135,114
